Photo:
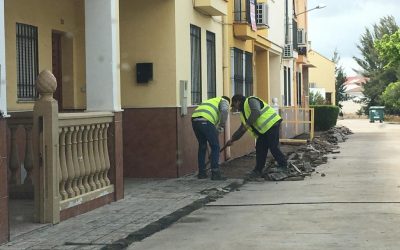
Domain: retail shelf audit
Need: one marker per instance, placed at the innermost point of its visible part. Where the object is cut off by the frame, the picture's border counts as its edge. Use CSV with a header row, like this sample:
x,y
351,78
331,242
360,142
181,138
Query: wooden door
x,y
57,66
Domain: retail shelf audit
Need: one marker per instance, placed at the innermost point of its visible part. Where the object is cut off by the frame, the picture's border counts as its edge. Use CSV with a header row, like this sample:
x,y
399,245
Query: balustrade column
x,y
28,161
63,166
105,152
94,181
71,186
97,155
88,179
80,161
77,170
14,156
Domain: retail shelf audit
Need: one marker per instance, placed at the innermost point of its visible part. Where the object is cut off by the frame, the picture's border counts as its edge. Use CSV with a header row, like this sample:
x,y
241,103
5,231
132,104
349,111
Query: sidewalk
x,y
149,205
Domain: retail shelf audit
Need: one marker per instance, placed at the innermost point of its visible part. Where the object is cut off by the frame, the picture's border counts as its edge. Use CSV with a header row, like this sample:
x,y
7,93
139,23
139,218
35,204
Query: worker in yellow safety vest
x,y
207,120
264,123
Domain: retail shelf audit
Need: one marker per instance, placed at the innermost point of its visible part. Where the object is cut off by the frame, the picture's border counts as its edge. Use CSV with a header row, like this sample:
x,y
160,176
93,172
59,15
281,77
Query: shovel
x,y
209,158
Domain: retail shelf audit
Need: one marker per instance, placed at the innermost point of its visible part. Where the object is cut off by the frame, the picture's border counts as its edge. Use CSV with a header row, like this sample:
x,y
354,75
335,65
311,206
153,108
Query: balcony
x,y
243,31
212,7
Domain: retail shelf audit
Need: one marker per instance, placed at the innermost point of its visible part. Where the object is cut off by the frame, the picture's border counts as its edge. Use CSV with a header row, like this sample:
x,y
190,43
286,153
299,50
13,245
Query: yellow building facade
x,y
322,76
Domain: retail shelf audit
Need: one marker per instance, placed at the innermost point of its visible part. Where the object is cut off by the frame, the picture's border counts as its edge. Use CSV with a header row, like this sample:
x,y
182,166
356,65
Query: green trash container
x,y
376,113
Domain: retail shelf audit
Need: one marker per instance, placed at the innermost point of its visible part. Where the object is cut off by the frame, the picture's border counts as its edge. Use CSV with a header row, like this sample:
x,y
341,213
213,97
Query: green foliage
x,y
325,116
370,61
316,98
373,64
340,79
391,98
388,49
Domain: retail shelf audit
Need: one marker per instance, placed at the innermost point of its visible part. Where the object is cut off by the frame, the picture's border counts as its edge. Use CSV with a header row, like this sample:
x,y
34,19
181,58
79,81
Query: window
x,y
195,54
287,88
238,10
238,74
248,81
27,61
242,72
211,67
328,98
289,93
299,88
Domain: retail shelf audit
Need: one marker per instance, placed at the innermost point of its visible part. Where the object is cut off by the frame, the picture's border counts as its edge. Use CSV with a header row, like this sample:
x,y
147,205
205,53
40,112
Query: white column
x,y
3,93
102,55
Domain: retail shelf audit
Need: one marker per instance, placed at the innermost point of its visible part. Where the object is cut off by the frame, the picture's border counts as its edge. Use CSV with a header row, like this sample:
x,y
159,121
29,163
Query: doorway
x,y
57,66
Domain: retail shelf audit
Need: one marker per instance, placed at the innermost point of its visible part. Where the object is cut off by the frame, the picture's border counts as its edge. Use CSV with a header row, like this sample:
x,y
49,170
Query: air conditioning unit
x,y
301,37
262,16
288,51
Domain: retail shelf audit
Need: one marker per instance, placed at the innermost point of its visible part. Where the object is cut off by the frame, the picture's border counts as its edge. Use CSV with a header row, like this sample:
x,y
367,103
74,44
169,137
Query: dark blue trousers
x,y
205,132
269,140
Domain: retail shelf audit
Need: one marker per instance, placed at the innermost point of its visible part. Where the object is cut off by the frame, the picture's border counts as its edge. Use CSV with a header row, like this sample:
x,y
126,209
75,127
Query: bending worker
x,y
264,123
207,120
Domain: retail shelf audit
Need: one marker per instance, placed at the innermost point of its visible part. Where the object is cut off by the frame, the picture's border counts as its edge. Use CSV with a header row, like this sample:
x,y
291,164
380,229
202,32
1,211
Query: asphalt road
x,y
356,205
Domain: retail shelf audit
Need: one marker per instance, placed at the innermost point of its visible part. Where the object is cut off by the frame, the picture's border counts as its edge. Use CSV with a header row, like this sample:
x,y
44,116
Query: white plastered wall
x,y
3,96
102,58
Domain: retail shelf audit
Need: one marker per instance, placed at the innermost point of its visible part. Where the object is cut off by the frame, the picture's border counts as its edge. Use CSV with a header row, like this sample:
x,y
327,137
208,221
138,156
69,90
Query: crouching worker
x,y
264,123
208,119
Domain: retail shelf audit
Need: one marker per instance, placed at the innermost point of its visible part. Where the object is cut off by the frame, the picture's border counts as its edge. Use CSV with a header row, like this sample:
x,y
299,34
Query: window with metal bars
x,y
211,67
299,88
241,10
195,55
248,82
27,61
287,86
242,72
237,73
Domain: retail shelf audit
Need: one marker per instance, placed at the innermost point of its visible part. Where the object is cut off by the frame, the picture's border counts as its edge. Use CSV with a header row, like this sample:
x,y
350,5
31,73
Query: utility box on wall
x,y
144,72
183,96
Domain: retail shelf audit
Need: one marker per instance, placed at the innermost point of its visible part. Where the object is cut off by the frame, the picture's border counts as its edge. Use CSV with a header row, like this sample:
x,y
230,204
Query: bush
x,y
325,116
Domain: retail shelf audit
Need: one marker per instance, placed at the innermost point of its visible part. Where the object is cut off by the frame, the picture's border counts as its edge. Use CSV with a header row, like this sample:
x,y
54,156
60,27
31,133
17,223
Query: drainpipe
x,y
225,74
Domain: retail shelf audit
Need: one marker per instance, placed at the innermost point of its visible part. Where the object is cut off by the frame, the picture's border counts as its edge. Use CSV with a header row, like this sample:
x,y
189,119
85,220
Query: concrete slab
x,y
356,205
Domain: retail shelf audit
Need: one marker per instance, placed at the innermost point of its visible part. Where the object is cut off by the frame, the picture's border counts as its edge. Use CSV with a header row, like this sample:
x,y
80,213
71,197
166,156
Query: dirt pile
x,y
302,159
305,158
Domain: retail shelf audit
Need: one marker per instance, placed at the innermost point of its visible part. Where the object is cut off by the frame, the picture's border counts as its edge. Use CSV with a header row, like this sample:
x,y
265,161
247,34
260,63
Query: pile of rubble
x,y
305,158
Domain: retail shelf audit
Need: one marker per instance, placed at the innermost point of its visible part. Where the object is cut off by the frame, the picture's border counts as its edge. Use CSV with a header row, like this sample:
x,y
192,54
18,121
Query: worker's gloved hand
x,y
220,129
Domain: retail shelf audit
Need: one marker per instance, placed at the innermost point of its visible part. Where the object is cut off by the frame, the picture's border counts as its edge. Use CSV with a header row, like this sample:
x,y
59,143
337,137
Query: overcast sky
x,y
342,22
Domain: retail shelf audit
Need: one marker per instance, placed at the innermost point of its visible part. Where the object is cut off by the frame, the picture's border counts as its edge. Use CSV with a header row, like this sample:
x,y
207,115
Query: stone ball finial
x,y
46,83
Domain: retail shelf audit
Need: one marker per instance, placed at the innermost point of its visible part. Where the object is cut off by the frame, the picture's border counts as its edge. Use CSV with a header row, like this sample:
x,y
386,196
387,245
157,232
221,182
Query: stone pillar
x,y
46,150
4,228
116,171
102,58
3,90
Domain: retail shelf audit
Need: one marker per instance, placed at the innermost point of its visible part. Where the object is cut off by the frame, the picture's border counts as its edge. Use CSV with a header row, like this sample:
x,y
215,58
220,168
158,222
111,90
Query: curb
x,y
166,221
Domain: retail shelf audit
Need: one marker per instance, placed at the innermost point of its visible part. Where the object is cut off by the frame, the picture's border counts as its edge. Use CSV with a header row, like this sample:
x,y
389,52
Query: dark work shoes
x,y
202,175
216,176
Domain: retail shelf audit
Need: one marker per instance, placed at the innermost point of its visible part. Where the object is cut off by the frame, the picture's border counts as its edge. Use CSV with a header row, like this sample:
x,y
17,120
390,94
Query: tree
x,y
391,98
340,79
370,61
373,66
388,48
316,98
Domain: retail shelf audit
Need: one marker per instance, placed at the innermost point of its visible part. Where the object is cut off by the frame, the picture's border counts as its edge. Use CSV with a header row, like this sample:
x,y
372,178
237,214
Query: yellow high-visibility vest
x,y
267,119
209,110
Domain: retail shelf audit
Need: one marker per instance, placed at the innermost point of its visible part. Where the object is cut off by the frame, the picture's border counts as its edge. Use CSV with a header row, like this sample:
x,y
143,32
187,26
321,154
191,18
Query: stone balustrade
x,y
20,144
84,160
